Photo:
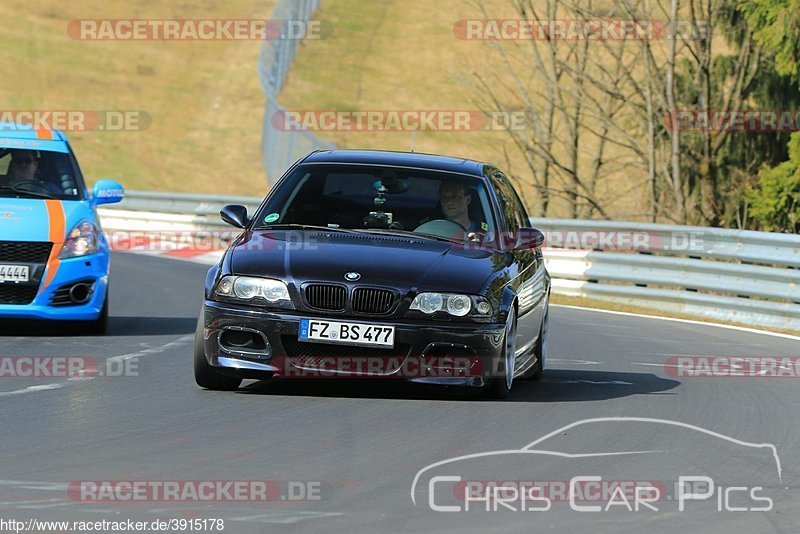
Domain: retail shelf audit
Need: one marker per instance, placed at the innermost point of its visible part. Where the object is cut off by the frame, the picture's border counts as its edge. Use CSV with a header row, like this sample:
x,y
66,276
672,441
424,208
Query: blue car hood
x,y
27,219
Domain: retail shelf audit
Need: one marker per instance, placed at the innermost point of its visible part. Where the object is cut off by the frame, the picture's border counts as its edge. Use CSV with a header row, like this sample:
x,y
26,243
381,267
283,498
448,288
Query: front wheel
x,y
500,386
537,371
96,327
204,375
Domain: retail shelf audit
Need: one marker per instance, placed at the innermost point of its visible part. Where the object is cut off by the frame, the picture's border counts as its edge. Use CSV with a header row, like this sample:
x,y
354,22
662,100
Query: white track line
x,y
31,389
122,357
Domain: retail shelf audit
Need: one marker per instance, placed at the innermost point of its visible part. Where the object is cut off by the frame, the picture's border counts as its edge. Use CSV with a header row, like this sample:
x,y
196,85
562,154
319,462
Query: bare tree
x,y
548,80
601,112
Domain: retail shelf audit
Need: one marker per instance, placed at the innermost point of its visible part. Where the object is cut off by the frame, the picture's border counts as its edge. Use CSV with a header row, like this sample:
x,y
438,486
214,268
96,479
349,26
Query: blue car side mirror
x,y
107,192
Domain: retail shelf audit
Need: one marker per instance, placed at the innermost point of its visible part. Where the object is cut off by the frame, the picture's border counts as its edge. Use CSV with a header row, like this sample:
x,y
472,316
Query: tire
x,y
204,375
537,371
500,387
97,327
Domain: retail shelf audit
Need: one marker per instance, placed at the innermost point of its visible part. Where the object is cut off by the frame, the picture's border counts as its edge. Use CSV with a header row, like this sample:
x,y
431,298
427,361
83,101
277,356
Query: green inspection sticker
x,y
272,217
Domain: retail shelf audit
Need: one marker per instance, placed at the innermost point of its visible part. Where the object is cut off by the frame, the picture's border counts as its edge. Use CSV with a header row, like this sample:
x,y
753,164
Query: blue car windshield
x,y
38,174
362,197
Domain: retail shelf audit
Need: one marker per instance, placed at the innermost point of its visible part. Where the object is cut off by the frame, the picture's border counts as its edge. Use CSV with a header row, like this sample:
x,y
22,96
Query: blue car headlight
x,y
82,240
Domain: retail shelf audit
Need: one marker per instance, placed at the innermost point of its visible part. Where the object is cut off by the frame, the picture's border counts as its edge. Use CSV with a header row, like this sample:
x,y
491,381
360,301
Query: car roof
x,y
16,130
399,159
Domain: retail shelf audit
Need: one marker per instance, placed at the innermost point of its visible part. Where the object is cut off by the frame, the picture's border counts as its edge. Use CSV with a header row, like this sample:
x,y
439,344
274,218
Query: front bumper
x,y
92,269
424,351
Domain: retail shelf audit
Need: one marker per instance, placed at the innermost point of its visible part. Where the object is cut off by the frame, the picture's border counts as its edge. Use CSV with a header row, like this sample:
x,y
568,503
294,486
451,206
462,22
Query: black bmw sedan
x,y
379,265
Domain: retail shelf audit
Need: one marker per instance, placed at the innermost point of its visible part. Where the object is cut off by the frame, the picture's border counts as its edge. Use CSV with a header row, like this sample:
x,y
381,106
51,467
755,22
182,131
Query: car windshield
x,y
38,174
378,198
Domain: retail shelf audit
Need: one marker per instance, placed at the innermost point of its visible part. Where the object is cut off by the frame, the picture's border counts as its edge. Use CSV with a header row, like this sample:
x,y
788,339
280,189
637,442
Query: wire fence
x,y
282,148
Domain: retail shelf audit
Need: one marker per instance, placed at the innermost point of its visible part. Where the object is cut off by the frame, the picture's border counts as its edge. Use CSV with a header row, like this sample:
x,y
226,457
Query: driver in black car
x,y
454,199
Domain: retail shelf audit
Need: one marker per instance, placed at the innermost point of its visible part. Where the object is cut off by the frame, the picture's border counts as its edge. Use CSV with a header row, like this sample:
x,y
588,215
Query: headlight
x,y
428,302
454,304
483,307
249,288
458,305
81,241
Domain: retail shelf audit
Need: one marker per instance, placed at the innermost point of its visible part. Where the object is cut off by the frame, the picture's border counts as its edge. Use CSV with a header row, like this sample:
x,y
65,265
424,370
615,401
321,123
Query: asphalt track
x,y
364,443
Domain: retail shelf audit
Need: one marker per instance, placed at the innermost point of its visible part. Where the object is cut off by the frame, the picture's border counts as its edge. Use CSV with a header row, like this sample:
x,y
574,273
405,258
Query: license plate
x,y
14,273
346,333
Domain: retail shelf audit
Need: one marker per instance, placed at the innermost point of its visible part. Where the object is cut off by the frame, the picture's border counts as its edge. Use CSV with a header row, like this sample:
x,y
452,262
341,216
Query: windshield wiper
x,y
487,246
20,191
295,226
414,234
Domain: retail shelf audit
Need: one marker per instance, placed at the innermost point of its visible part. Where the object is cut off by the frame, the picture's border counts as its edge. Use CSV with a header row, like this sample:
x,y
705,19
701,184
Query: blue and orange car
x,y
54,258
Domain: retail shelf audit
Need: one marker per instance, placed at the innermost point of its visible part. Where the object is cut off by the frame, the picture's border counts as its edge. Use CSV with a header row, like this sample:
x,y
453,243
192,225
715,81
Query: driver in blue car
x,y
23,166
454,200
24,169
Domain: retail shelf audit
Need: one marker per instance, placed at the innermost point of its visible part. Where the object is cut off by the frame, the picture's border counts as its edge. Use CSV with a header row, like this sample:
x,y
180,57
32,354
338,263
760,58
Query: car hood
x,y
30,219
402,262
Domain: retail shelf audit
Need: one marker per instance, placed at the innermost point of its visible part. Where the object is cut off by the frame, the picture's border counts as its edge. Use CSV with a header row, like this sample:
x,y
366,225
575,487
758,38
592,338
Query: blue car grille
x,y
36,252
17,294
24,251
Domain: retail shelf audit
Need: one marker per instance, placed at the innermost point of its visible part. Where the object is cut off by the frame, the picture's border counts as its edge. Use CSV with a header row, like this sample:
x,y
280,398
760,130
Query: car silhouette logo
x,y
352,276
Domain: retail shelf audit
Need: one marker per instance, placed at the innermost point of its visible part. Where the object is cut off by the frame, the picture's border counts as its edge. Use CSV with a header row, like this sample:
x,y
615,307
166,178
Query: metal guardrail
x,y
739,276
155,211
719,243
180,203
719,274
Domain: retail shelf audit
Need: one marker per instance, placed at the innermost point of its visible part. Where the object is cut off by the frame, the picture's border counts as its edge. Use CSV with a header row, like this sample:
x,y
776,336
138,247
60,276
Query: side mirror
x,y
107,192
528,239
235,215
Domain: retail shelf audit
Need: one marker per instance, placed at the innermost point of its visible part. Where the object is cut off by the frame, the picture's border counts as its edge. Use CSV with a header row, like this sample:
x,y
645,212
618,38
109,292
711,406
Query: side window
x,y
520,207
513,211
